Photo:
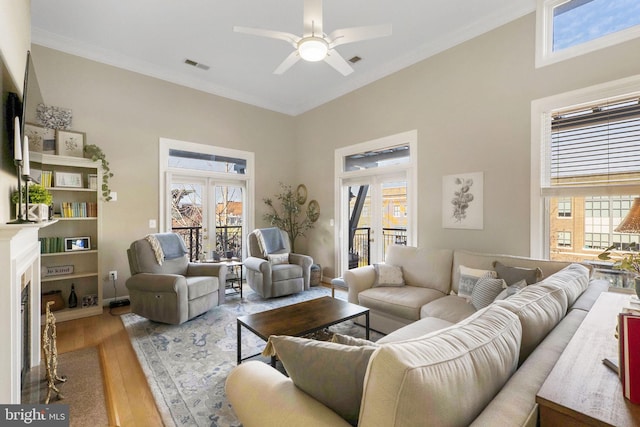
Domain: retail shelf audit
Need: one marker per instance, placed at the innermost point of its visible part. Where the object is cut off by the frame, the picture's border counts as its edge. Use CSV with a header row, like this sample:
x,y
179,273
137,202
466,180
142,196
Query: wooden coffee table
x,y
299,319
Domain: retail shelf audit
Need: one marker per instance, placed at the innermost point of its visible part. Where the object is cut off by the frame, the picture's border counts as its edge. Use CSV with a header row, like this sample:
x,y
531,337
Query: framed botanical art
x,y
462,204
40,138
70,143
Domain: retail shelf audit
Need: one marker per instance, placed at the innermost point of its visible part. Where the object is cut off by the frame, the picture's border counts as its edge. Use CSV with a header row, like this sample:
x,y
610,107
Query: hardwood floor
x,y
129,398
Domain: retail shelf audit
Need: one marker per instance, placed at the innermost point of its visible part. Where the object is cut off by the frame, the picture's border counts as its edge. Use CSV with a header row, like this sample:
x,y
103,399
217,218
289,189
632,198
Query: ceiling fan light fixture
x,y
313,49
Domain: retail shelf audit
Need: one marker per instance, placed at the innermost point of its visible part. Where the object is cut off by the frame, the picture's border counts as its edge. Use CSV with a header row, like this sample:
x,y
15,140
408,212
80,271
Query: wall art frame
x,y
70,143
463,201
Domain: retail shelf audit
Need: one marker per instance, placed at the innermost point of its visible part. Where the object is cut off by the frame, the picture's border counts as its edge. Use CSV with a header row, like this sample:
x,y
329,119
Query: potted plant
x,y
95,153
628,262
39,201
289,217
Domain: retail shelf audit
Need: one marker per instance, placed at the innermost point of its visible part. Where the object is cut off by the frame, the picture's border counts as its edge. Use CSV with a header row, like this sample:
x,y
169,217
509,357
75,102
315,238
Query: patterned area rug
x,y
186,365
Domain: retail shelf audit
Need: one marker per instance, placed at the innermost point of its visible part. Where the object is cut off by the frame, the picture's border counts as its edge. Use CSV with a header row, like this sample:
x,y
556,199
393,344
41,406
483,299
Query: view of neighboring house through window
x,y
590,175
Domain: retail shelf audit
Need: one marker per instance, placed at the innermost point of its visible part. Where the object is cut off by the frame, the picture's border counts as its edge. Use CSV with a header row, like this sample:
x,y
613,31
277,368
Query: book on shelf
x,y
46,179
78,209
629,353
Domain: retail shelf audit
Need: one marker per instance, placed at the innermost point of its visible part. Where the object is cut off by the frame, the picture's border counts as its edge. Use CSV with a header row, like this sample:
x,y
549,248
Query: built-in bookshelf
x,y
70,248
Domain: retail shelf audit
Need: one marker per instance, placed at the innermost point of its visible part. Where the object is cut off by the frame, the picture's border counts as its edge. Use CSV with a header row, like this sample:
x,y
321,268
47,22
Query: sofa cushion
x,y
574,279
404,302
512,275
446,377
590,295
330,372
485,291
201,285
422,267
416,329
512,290
469,277
451,308
388,275
539,308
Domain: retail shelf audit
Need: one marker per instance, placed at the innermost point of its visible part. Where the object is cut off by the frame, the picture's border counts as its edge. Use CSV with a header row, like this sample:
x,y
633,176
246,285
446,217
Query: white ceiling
x,y
154,37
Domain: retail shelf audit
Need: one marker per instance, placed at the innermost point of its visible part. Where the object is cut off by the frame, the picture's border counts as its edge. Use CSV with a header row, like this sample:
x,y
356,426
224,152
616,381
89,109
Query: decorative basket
x,y
316,275
55,296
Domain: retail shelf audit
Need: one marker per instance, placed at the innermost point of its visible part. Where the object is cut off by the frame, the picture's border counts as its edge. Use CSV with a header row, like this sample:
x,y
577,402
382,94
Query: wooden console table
x,y
581,390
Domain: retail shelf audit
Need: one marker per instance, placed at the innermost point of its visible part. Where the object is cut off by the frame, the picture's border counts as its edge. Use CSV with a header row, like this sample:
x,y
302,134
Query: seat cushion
x,y
416,329
198,286
451,308
404,302
445,378
281,272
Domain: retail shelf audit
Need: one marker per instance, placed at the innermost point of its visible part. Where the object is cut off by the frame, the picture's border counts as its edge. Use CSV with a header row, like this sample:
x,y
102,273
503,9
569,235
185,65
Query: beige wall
x,y
471,106
15,38
126,113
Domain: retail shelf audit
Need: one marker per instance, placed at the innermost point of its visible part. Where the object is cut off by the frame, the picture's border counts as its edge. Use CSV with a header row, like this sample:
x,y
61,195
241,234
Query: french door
x,y
377,216
209,215
375,199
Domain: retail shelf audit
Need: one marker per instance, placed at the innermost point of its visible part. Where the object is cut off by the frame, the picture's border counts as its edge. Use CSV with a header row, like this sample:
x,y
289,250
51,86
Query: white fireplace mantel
x,y
19,265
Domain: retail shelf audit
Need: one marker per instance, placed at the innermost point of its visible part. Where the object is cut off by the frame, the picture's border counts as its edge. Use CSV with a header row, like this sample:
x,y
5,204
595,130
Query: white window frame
x,y
248,178
541,110
408,169
544,37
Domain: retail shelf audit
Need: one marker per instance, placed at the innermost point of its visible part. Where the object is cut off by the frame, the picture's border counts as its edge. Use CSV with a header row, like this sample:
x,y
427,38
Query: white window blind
x,y
595,146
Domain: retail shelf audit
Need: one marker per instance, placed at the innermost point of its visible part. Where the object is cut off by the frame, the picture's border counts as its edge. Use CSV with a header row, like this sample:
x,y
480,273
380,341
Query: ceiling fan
x,y
314,45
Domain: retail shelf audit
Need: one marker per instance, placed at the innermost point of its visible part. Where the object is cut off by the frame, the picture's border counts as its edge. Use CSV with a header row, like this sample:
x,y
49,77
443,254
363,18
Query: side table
x,y
234,279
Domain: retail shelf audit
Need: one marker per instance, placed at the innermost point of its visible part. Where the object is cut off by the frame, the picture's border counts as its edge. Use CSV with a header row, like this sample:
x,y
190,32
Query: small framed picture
x,y
93,181
57,270
41,139
68,179
77,244
70,143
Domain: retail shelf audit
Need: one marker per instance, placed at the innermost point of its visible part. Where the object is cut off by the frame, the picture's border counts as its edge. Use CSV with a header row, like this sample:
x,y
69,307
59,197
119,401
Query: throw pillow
x,y
348,340
485,291
329,372
512,290
512,275
388,275
469,277
276,259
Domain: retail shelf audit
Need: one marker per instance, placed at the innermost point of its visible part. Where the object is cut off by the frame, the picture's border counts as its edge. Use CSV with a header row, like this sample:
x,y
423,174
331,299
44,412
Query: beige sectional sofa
x,y
443,362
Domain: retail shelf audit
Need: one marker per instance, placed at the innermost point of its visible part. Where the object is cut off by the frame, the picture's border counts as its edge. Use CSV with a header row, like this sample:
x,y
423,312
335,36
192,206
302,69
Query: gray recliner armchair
x,y
272,270
165,287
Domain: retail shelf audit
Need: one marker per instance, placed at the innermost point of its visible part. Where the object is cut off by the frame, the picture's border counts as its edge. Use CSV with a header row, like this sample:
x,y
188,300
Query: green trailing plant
x,y
37,195
291,214
95,153
628,261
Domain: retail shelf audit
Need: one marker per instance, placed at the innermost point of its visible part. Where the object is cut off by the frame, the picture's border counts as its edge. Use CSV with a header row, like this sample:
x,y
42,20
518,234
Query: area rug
x,y
187,365
83,391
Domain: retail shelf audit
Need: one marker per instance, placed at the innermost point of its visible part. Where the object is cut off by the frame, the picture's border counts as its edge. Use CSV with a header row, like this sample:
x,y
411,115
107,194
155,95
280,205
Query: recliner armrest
x,y
304,261
258,264
208,269
148,282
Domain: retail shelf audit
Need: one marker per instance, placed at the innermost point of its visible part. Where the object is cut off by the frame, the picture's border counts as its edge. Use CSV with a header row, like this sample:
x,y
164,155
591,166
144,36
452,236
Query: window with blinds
x,y
597,145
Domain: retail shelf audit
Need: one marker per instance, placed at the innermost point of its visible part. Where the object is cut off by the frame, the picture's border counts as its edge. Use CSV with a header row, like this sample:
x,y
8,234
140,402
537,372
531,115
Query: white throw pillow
x,y
276,259
388,275
469,277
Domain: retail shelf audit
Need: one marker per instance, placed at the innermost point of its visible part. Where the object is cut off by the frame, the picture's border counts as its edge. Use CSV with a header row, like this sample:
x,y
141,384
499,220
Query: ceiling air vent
x,y
355,59
196,64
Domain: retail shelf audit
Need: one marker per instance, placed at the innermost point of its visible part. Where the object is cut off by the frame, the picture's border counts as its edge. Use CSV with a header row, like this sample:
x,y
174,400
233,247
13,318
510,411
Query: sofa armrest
x,y
358,280
261,396
148,282
304,261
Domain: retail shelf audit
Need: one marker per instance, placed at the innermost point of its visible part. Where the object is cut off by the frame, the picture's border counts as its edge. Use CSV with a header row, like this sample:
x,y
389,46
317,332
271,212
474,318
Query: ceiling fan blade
x,y
287,63
334,59
280,35
313,18
356,34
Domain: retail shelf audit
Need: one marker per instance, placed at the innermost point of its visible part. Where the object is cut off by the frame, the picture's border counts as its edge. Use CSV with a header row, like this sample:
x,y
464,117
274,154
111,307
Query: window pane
x,y
206,162
379,158
579,21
